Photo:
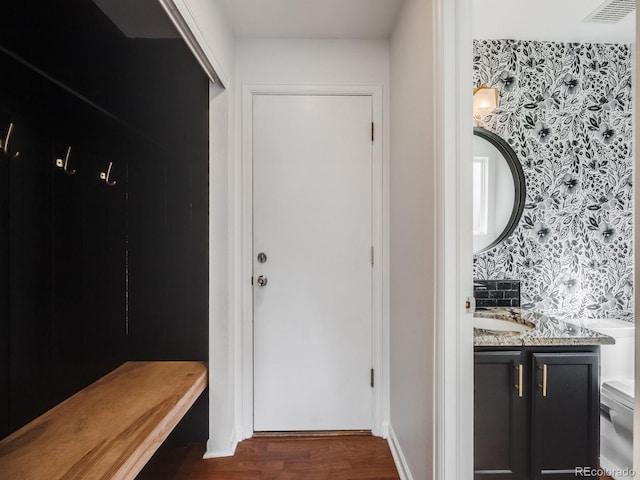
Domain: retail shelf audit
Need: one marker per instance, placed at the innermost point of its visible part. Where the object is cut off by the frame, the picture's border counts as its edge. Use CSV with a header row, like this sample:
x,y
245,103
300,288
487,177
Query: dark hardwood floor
x,y
284,458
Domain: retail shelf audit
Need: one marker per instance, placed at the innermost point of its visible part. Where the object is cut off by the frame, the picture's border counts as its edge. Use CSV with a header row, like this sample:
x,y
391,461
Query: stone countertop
x,y
546,331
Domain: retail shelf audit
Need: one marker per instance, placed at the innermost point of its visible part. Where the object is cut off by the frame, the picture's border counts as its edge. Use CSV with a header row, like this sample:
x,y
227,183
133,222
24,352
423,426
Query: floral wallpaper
x,y
565,109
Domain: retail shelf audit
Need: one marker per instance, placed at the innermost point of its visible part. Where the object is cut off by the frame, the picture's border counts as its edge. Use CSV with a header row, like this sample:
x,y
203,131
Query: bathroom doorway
x,y
564,106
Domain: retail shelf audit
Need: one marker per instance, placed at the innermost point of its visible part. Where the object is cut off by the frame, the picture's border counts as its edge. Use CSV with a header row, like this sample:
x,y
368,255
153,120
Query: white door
x,y
312,209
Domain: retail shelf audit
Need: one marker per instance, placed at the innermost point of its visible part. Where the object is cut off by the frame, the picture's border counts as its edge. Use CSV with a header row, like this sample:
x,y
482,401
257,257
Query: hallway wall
x,y
413,217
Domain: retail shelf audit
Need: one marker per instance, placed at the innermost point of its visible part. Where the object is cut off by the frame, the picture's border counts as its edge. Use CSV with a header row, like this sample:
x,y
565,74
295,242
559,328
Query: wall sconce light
x,y
485,101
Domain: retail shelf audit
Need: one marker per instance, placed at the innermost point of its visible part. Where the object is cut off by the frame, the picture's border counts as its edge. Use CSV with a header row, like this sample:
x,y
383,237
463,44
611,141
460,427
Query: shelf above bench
x,y
108,430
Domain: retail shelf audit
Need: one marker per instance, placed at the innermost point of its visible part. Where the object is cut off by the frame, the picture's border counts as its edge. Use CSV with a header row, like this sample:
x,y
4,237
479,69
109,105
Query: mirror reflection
x,y
498,190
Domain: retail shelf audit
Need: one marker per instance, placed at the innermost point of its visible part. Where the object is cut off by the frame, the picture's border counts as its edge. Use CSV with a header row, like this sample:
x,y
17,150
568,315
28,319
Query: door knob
x,y
262,281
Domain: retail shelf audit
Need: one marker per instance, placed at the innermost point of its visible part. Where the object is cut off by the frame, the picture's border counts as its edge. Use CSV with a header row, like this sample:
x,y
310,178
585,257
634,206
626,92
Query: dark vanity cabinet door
x,y
499,420
565,414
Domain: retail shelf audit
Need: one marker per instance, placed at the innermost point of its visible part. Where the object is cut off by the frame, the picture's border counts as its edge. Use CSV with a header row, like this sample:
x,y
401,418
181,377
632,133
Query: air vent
x,y
611,11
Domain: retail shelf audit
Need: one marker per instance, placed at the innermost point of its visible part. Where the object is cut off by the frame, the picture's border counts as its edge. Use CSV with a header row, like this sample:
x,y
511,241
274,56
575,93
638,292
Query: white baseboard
x,y
398,456
384,430
216,450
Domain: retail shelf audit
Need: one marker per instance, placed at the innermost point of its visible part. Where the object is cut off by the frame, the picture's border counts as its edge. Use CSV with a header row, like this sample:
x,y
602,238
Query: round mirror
x,y
498,190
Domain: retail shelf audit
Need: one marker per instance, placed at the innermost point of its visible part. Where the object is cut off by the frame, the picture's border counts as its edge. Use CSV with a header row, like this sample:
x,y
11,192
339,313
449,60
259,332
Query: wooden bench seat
x,y
108,430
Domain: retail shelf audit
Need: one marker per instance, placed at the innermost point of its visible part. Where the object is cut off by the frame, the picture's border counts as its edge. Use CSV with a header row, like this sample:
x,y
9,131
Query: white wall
x,y
209,26
222,436
413,222
208,22
313,61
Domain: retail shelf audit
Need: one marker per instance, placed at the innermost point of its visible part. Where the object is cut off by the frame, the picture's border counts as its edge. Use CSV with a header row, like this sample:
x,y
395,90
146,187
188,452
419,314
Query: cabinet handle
x,y
544,380
519,385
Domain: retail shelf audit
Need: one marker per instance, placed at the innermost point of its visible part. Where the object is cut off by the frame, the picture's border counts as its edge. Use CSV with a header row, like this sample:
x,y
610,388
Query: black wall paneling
x,y
92,274
68,316
90,252
60,290
166,222
30,264
4,278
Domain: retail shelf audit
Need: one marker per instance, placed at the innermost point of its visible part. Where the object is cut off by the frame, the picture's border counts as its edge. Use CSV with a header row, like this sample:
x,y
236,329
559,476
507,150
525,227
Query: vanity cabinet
x,y
565,413
536,412
499,420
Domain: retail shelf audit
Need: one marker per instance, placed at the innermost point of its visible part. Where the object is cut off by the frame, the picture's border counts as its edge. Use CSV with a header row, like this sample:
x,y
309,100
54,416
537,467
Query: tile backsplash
x,y
496,293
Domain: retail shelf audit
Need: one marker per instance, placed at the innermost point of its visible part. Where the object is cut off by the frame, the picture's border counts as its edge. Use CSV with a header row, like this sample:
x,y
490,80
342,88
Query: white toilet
x,y
616,425
616,394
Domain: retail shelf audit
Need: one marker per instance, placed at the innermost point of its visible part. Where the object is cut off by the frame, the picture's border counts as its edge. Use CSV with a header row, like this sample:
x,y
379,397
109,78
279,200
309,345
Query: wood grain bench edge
x,y
20,452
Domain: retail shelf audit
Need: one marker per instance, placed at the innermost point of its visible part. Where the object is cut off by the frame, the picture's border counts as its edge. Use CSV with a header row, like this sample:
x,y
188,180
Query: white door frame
x,y
453,416
380,340
636,242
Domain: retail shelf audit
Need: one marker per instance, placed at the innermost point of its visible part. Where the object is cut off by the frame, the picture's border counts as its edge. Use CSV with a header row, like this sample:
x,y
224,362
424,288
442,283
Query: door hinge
x,y
372,256
372,132
372,378
251,280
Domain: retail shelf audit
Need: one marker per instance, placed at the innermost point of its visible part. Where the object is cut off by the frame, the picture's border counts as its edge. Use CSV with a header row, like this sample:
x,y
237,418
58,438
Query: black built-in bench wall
x,y
93,275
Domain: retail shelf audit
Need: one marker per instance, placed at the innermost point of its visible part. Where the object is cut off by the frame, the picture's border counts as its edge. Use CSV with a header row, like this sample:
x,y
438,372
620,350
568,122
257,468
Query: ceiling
x,y
139,18
366,19
554,20
557,20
